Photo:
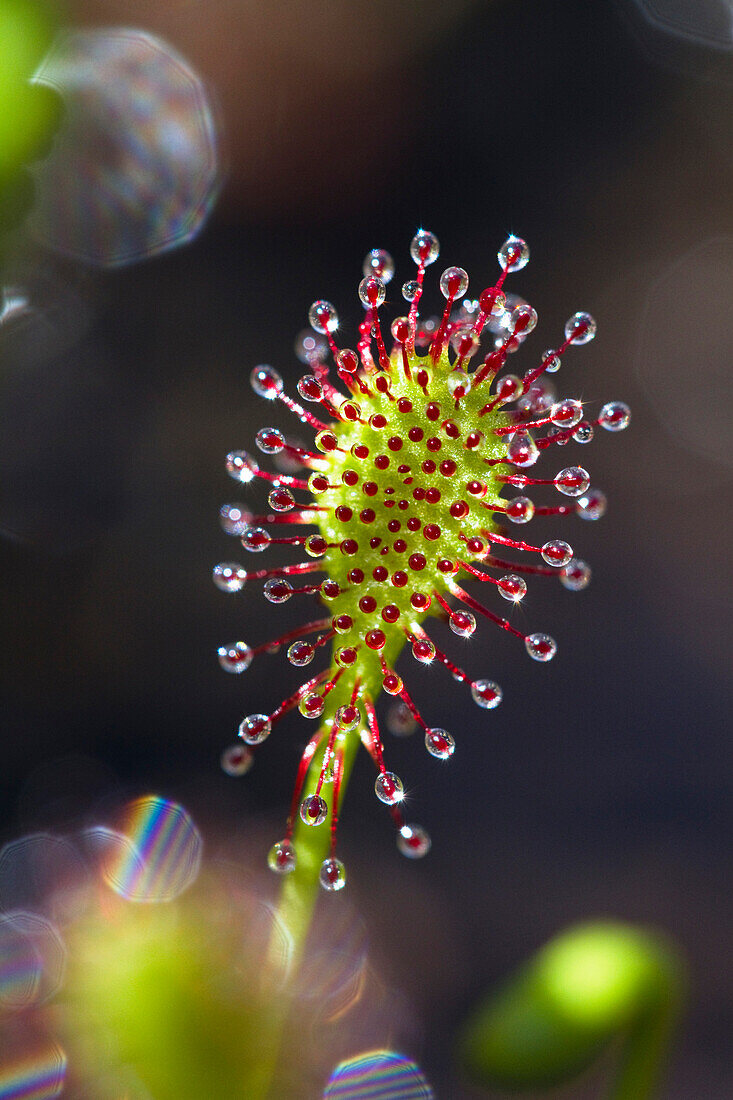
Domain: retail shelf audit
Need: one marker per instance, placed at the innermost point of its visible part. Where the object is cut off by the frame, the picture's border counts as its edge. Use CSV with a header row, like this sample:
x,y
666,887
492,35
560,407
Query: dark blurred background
x,y
600,132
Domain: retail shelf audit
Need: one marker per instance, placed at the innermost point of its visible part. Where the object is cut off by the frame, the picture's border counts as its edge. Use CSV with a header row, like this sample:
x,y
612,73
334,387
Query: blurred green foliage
x,y
595,984
29,113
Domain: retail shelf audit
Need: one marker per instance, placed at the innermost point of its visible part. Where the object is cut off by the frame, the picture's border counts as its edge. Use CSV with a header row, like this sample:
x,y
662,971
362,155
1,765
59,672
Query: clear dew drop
x,y
310,347
234,518
615,416
552,361
520,510
524,319
439,743
228,576
580,328
462,623
575,576
513,254
332,875
557,552
311,705
270,441
281,500
541,647
584,432
235,657
379,263
309,388
453,282
389,789
322,317
372,292
566,413
410,290
573,481
255,540
301,654
313,810
424,247
486,694
522,450
347,717
457,381
413,841
266,382
592,505
512,587
241,466
236,760
281,858
255,728
277,590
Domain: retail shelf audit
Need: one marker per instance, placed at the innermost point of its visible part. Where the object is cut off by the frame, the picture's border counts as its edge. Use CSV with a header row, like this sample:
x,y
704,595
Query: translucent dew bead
x,y
228,576
512,587
255,539
348,717
235,657
309,388
508,389
311,705
520,510
236,760
281,500
580,328
270,441
323,317
572,481
424,247
439,743
241,466
332,875
423,651
567,413
389,789
277,590
513,254
584,432
557,552
313,810
458,383
255,728
522,450
552,361
234,518
462,623
592,505
524,319
453,282
379,263
486,694
541,647
301,654
576,575
413,841
615,416
372,292
410,290
266,382
281,857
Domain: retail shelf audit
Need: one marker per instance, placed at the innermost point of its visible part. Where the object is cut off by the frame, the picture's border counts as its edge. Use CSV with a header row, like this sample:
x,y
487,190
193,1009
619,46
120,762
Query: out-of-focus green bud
x,y
594,983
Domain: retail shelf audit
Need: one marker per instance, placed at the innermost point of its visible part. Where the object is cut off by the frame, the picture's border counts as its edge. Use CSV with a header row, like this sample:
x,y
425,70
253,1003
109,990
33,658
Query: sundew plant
x,y
416,486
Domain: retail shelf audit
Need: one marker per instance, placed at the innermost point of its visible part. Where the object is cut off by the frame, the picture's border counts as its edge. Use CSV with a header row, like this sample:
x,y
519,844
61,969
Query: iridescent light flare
x,y
154,855
134,170
381,1075
406,487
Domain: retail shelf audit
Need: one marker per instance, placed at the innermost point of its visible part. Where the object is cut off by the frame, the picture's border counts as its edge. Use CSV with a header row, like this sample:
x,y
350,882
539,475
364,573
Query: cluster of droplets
x,y
406,487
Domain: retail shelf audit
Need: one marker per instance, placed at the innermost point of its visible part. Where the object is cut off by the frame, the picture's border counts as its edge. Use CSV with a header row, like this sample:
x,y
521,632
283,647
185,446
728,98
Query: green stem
x,y
644,1053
